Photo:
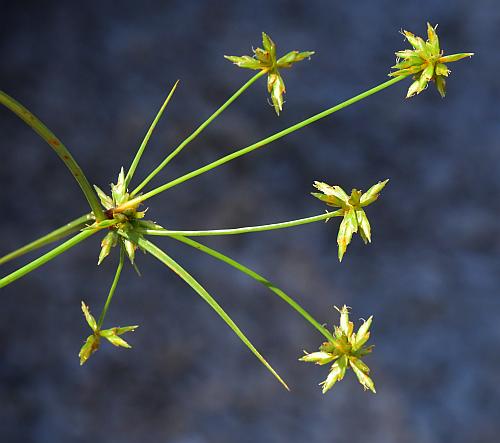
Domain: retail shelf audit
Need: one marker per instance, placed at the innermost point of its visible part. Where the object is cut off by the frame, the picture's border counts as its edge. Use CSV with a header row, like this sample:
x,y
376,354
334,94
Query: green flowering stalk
x,y
345,350
354,217
119,216
425,62
93,341
264,59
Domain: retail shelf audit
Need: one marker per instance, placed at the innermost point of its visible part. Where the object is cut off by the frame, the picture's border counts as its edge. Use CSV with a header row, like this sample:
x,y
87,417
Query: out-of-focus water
x,y
96,72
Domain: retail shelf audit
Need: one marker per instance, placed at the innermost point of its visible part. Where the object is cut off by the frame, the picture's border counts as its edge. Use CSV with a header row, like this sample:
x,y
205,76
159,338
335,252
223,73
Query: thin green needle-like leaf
x,y
113,287
197,132
182,273
260,279
61,150
144,143
21,272
247,230
57,234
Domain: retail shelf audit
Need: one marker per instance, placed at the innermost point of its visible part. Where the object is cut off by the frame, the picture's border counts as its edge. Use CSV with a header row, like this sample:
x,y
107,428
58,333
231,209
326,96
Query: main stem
x,y
260,144
57,145
112,289
176,151
249,229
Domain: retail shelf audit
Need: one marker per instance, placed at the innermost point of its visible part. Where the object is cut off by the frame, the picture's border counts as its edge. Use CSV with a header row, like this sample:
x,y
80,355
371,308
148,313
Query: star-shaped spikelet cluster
x,y
93,341
354,217
425,62
264,59
345,351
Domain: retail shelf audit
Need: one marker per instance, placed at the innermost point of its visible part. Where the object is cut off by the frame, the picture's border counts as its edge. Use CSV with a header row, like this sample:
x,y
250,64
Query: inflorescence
x,y
119,217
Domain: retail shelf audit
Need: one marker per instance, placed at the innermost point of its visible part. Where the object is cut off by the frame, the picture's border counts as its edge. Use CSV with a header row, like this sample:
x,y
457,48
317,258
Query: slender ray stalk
x,y
247,230
259,144
35,264
57,145
113,288
260,279
57,234
144,143
197,132
201,291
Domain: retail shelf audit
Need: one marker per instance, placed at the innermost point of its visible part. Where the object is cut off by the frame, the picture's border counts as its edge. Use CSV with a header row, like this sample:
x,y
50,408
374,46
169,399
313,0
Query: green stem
x,y
260,279
112,289
57,234
200,128
21,272
58,147
249,229
144,143
201,291
260,144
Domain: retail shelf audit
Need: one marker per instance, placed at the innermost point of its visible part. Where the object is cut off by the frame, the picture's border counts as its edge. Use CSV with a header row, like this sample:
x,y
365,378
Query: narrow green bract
x,y
59,148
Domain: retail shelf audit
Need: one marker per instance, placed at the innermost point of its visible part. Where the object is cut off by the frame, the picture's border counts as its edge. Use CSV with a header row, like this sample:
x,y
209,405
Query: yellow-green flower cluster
x,y
345,351
93,341
354,216
124,221
425,62
265,60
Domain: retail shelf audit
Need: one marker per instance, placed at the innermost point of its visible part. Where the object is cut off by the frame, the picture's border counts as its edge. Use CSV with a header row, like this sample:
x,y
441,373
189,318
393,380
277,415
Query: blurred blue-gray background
x,y
96,72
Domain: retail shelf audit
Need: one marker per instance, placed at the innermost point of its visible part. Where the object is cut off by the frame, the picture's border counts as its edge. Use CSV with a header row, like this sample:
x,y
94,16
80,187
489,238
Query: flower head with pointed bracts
x,y
425,62
93,341
345,351
355,219
265,60
124,221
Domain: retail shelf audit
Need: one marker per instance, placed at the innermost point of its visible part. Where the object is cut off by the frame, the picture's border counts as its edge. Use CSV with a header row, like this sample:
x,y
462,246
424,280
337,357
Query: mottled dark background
x,y
96,72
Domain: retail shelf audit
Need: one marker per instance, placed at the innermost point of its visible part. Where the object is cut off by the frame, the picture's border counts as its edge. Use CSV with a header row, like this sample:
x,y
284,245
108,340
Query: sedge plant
x,y
117,216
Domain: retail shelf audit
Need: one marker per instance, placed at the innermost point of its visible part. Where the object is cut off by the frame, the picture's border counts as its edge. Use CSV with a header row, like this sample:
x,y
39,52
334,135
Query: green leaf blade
x,y
59,148
35,264
145,141
182,273
57,234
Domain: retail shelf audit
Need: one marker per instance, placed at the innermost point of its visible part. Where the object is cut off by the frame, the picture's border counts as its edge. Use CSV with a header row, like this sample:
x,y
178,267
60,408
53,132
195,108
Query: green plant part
x,y
425,62
345,350
354,216
59,148
124,221
125,226
93,341
264,59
